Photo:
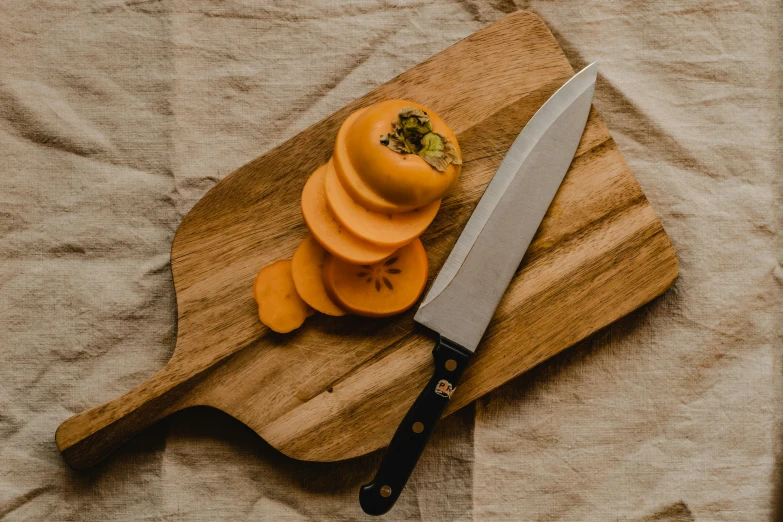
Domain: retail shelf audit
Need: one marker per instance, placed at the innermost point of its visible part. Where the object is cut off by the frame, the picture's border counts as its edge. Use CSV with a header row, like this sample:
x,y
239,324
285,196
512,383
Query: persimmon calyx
x,y
412,134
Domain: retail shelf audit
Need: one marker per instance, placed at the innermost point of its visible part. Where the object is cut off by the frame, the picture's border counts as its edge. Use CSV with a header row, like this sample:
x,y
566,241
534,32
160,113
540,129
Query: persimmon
x,y
396,156
307,268
279,305
331,235
350,179
380,289
382,229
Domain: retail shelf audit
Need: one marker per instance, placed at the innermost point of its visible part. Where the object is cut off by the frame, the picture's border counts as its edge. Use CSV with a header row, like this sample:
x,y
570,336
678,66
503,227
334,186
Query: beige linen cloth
x,y
117,116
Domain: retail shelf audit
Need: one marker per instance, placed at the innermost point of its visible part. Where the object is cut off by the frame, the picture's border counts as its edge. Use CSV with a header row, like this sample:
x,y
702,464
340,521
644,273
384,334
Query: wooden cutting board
x,y
338,387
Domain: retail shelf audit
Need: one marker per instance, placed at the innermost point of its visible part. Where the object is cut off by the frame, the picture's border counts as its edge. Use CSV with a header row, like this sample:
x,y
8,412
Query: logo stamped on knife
x,y
444,388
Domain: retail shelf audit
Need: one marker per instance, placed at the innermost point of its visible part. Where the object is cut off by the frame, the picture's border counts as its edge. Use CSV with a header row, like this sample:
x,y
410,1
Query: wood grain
x,y
338,387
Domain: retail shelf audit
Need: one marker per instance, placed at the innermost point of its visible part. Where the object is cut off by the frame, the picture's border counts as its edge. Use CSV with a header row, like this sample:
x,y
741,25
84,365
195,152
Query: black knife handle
x,y
378,497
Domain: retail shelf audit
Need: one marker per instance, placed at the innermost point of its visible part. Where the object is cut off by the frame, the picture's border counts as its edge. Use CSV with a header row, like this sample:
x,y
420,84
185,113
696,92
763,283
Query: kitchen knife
x,y
466,292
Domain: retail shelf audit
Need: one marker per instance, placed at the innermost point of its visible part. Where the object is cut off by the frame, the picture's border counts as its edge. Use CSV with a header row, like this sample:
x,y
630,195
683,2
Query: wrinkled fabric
x,y
117,116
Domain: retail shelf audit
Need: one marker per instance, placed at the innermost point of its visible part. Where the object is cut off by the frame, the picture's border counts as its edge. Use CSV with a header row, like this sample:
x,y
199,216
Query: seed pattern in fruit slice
x,y
393,230
307,269
381,289
279,305
331,235
353,183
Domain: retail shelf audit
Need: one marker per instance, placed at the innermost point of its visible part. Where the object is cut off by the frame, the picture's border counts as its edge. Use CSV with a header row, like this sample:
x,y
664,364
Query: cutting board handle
x,y
88,437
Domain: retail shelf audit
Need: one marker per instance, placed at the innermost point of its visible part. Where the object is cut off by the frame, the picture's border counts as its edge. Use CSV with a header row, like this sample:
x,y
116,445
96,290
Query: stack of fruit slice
x,y
365,209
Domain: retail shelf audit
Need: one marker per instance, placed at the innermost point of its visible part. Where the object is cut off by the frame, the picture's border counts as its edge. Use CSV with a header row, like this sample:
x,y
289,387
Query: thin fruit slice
x,y
307,269
380,289
393,230
279,306
329,232
353,183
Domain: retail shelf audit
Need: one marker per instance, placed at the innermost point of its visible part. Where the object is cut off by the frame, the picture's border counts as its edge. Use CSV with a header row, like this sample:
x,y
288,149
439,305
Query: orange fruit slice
x,y
307,268
331,235
392,230
279,305
380,289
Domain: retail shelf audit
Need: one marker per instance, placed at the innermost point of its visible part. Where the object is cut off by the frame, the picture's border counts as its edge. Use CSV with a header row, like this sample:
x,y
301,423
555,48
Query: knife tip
x,y
590,70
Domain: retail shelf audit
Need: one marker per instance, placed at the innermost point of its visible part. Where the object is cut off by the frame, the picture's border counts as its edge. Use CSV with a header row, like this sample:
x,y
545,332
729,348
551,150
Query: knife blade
x,y
465,294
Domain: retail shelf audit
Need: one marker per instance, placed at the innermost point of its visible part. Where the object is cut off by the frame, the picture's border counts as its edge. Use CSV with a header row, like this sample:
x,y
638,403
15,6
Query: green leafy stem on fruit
x,y
412,134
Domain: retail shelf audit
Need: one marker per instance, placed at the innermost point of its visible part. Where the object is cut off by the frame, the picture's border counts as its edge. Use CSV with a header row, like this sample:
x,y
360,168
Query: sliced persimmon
x,y
307,267
393,230
380,289
405,179
279,305
353,183
331,235
381,179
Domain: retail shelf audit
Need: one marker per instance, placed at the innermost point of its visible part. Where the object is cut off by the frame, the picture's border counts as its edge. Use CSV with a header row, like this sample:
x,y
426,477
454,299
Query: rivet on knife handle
x,y
378,497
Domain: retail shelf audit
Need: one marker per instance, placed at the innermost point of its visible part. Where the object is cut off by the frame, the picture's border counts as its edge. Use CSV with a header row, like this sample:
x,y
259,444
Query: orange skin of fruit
x,y
394,230
381,289
279,305
380,179
329,233
307,267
